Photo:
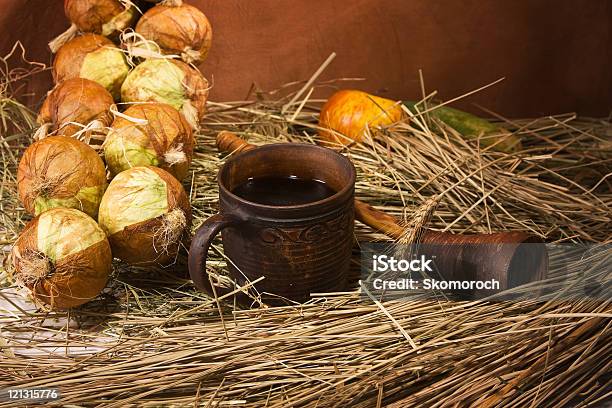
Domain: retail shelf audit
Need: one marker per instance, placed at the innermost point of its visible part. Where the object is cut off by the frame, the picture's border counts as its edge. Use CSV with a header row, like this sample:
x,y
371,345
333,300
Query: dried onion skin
x,y
150,134
146,215
104,17
93,57
60,171
168,81
63,258
178,30
74,104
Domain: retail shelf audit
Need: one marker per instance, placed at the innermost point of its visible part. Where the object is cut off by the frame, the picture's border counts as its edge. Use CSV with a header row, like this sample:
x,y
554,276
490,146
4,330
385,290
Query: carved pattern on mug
x,y
306,234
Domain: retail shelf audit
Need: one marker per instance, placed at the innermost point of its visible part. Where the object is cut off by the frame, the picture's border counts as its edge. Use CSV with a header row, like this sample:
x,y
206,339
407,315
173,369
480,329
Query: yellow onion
x,y
146,214
63,258
93,57
105,17
60,171
178,30
75,106
170,3
168,81
352,113
150,134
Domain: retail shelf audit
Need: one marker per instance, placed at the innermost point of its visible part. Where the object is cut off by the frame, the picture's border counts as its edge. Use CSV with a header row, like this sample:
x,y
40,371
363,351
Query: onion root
x,y
175,155
63,38
170,231
34,267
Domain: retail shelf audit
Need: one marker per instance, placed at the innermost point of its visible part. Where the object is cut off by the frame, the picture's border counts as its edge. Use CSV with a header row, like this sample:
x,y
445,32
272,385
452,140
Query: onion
x,y
63,258
170,3
60,171
75,107
104,17
146,213
168,81
93,57
150,134
177,30
351,113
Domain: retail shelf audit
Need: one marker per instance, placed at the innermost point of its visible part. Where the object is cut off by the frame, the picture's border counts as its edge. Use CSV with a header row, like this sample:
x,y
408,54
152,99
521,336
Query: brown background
x,y
556,55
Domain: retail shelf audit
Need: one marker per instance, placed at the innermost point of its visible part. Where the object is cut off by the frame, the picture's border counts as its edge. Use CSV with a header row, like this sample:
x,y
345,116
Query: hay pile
x,y
151,339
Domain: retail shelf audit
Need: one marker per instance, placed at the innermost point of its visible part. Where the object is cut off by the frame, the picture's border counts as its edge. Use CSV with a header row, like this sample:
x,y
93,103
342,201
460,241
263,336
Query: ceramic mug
x,y
297,249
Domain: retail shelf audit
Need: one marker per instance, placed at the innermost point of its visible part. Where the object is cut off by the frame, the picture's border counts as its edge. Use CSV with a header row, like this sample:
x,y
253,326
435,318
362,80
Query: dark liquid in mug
x,y
283,191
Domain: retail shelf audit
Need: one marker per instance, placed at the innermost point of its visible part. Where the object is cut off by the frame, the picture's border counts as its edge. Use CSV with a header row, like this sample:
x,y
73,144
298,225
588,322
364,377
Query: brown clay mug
x,y
298,249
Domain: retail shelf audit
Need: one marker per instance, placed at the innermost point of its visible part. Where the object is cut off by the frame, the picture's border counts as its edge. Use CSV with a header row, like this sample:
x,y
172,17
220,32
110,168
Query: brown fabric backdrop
x,y
556,55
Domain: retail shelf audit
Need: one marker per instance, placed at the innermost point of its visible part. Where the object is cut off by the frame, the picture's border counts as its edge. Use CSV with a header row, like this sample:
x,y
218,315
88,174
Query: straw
x,y
151,339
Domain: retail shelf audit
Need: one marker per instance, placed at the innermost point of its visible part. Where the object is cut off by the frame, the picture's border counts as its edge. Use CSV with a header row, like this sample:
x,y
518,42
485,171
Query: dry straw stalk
x,y
152,340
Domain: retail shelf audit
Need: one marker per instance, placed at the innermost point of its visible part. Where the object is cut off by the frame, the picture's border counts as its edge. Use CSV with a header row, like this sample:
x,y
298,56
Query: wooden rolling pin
x,y
481,252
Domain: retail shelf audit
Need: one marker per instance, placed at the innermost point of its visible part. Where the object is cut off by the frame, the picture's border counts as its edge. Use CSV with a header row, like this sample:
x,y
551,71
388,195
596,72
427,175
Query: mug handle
x,y
198,250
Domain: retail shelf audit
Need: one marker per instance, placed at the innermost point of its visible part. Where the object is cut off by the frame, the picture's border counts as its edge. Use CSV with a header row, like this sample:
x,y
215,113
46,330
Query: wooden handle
x,y
230,143
378,220
199,249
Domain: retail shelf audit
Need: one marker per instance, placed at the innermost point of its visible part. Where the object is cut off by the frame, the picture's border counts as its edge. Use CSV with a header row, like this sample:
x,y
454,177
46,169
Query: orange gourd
x,y
350,113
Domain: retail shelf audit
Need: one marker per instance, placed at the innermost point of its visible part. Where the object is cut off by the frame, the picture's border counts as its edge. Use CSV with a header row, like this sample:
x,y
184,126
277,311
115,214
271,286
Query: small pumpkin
x,y
348,114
